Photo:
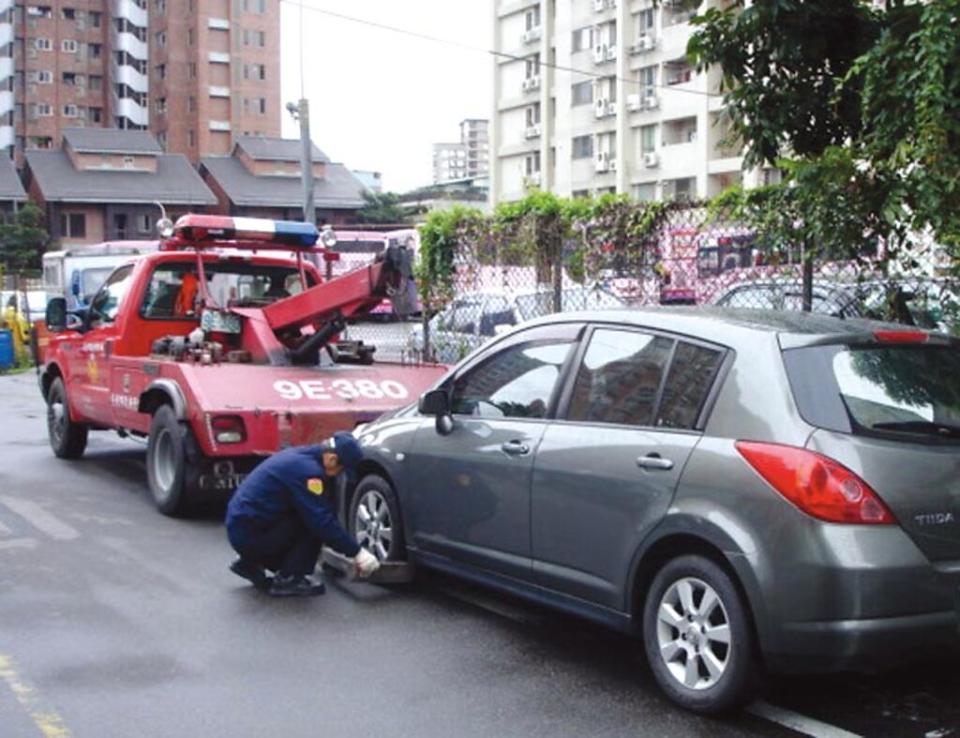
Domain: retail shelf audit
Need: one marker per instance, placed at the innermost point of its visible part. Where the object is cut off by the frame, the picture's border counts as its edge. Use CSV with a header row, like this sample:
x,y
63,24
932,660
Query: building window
x,y
120,224
254,38
582,39
262,105
192,70
648,139
161,106
189,37
45,77
95,82
144,223
161,71
532,18
580,194
69,45
582,147
162,139
68,14
532,65
40,11
161,39
191,104
44,110
645,22
645,192
94,50
40,142
191,138
42,44
73,225
532,163
581,94
161,6
94,18
69,79
70,111
95,115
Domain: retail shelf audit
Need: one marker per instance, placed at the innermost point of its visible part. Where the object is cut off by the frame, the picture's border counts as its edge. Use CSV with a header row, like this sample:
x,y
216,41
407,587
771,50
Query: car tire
x,y
374,519
698,636
67,439
173,480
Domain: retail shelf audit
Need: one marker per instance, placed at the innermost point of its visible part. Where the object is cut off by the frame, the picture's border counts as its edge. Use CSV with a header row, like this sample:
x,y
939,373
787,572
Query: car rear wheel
x,y
374,519
698,637
67,439
170,475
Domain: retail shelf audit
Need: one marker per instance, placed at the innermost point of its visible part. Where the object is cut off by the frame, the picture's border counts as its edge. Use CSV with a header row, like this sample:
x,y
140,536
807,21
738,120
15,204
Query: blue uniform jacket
x,y
291,482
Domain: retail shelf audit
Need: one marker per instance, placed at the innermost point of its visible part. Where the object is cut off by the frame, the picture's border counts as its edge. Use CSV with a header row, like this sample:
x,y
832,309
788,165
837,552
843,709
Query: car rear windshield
x,y
903,392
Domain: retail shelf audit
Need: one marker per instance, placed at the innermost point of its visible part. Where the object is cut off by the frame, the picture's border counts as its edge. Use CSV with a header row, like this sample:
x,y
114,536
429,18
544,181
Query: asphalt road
x,y
117,621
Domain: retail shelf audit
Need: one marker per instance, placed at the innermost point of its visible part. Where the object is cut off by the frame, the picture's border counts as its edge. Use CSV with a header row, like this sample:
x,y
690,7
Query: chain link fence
x,y
693,256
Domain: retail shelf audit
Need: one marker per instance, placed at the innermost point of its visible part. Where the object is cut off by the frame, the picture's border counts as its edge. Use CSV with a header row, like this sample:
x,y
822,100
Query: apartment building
x,y
597,96
211,65
468,159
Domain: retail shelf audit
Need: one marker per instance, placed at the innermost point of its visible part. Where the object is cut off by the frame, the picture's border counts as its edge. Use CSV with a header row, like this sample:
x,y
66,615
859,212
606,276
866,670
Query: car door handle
x,y
515,448
654,461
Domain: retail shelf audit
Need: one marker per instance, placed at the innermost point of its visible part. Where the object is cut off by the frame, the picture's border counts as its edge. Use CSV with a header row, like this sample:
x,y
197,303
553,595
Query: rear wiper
x,y
928,427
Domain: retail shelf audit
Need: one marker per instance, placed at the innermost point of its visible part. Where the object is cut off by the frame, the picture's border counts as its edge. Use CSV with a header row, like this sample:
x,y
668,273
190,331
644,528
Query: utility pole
x,y
306,162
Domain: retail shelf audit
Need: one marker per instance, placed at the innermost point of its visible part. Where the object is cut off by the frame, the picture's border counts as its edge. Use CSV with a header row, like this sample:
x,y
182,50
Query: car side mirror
x,y
434,402
56,316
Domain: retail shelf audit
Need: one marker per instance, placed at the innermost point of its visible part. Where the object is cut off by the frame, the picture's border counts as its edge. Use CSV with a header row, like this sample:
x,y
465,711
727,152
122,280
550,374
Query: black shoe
x,y
295,586
253,573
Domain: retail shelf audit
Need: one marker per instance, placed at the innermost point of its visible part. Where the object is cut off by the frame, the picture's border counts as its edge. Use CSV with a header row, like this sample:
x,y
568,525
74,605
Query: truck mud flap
x,y
390,572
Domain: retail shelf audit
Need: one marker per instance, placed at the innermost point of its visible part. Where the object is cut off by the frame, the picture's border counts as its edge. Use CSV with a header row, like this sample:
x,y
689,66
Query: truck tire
x,y
374,519
172,478
67,439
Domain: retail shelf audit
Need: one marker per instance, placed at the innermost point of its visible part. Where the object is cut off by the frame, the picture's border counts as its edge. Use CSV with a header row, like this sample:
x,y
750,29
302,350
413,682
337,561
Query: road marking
x,y
45,718
40,518
798,722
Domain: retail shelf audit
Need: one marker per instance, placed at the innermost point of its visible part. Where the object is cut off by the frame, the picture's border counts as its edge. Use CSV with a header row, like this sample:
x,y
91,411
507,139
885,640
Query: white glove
x,y
366,563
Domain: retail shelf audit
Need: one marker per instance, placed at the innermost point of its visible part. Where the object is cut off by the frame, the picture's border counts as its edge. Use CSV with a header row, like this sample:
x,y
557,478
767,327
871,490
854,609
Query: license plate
x,y
220,482
221,322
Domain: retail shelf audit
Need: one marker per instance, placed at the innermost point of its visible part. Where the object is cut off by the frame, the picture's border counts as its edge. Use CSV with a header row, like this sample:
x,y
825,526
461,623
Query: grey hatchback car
x,y
743,490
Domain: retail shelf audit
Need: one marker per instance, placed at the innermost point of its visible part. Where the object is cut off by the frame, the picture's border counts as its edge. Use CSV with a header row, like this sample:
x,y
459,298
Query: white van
x,y
76,273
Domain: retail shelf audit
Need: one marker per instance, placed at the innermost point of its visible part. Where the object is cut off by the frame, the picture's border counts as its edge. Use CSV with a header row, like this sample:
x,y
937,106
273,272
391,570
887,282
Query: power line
x,y
490,52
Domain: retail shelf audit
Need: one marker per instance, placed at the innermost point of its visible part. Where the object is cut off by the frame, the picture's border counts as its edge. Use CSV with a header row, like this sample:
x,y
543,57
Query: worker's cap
x,y
345,446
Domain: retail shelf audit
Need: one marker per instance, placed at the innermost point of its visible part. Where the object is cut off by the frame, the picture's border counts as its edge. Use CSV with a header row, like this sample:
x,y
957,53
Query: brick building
x,y
104,185
261,178
212,66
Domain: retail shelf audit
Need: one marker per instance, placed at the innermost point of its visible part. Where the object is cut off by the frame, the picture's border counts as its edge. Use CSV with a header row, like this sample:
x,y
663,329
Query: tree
x,y
23,240
381,207
859,106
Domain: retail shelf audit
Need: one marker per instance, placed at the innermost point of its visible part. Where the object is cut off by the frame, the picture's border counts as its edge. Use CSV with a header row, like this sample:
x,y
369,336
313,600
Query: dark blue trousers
x,y
285,546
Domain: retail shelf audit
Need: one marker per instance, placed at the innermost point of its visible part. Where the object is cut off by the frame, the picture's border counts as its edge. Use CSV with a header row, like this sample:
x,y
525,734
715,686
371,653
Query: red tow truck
x,y
220,349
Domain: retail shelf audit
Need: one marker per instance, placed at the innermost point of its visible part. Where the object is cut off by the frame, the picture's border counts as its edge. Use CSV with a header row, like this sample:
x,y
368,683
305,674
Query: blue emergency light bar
x,y
202,228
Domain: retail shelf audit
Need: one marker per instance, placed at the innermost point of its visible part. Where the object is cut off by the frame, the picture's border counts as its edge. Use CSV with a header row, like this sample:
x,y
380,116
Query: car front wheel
x,y
374,519
698,637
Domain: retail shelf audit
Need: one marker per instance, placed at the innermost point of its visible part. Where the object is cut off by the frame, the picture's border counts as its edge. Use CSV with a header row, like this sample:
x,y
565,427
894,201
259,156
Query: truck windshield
x,y
174,289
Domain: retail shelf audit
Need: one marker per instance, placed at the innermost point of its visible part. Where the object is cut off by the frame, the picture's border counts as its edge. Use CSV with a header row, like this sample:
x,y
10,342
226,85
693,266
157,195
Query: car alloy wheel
x,y
374,524
693,633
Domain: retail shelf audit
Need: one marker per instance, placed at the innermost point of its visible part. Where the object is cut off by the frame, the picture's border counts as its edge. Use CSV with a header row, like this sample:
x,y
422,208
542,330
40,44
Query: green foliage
x,y
382,208
23,239
439,240
864,102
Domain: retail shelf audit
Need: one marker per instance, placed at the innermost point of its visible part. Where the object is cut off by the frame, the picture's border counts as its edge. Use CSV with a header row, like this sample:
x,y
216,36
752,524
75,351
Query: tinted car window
x,y
908,392
688,383
517,382
619,378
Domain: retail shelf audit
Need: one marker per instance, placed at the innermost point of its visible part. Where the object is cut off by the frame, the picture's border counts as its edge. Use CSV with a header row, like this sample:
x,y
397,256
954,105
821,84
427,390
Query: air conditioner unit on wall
x,y
599,5
634,103
611,53
651,159
600,107
599,53
602,161
651,102
532,131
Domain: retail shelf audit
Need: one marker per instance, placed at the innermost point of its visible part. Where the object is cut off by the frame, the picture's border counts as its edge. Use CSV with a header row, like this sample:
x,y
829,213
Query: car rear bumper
x,y
866,645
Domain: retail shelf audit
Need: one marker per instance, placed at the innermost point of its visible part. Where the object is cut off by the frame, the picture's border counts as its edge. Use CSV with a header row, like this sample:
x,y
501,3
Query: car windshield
x,y
909,391
541,303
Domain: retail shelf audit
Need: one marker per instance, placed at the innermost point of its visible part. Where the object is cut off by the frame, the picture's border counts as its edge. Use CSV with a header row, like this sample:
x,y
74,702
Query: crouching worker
x,y
285,510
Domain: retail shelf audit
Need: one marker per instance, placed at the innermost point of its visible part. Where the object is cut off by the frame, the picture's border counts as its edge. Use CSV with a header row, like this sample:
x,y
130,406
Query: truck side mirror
x,y
57,314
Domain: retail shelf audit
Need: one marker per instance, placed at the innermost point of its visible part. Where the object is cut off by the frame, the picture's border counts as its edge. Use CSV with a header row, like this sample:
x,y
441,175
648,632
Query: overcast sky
x,y
379,99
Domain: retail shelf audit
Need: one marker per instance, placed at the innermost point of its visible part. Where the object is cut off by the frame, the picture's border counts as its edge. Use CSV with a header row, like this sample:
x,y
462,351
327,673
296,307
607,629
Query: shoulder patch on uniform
x,y
315,485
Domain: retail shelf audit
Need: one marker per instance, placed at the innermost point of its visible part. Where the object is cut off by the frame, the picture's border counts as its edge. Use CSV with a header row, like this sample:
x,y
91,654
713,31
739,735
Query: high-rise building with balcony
x,y
196,73
470,158
596,96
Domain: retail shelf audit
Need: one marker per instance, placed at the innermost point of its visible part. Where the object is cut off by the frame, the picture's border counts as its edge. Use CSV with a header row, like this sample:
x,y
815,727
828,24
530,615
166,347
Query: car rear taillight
x,y
228,429
900,336
817,485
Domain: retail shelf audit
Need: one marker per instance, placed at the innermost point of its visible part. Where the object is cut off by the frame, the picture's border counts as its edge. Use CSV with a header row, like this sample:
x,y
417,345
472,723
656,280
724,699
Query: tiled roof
x,y
111,141
339,189
10,186
174,183
276,149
